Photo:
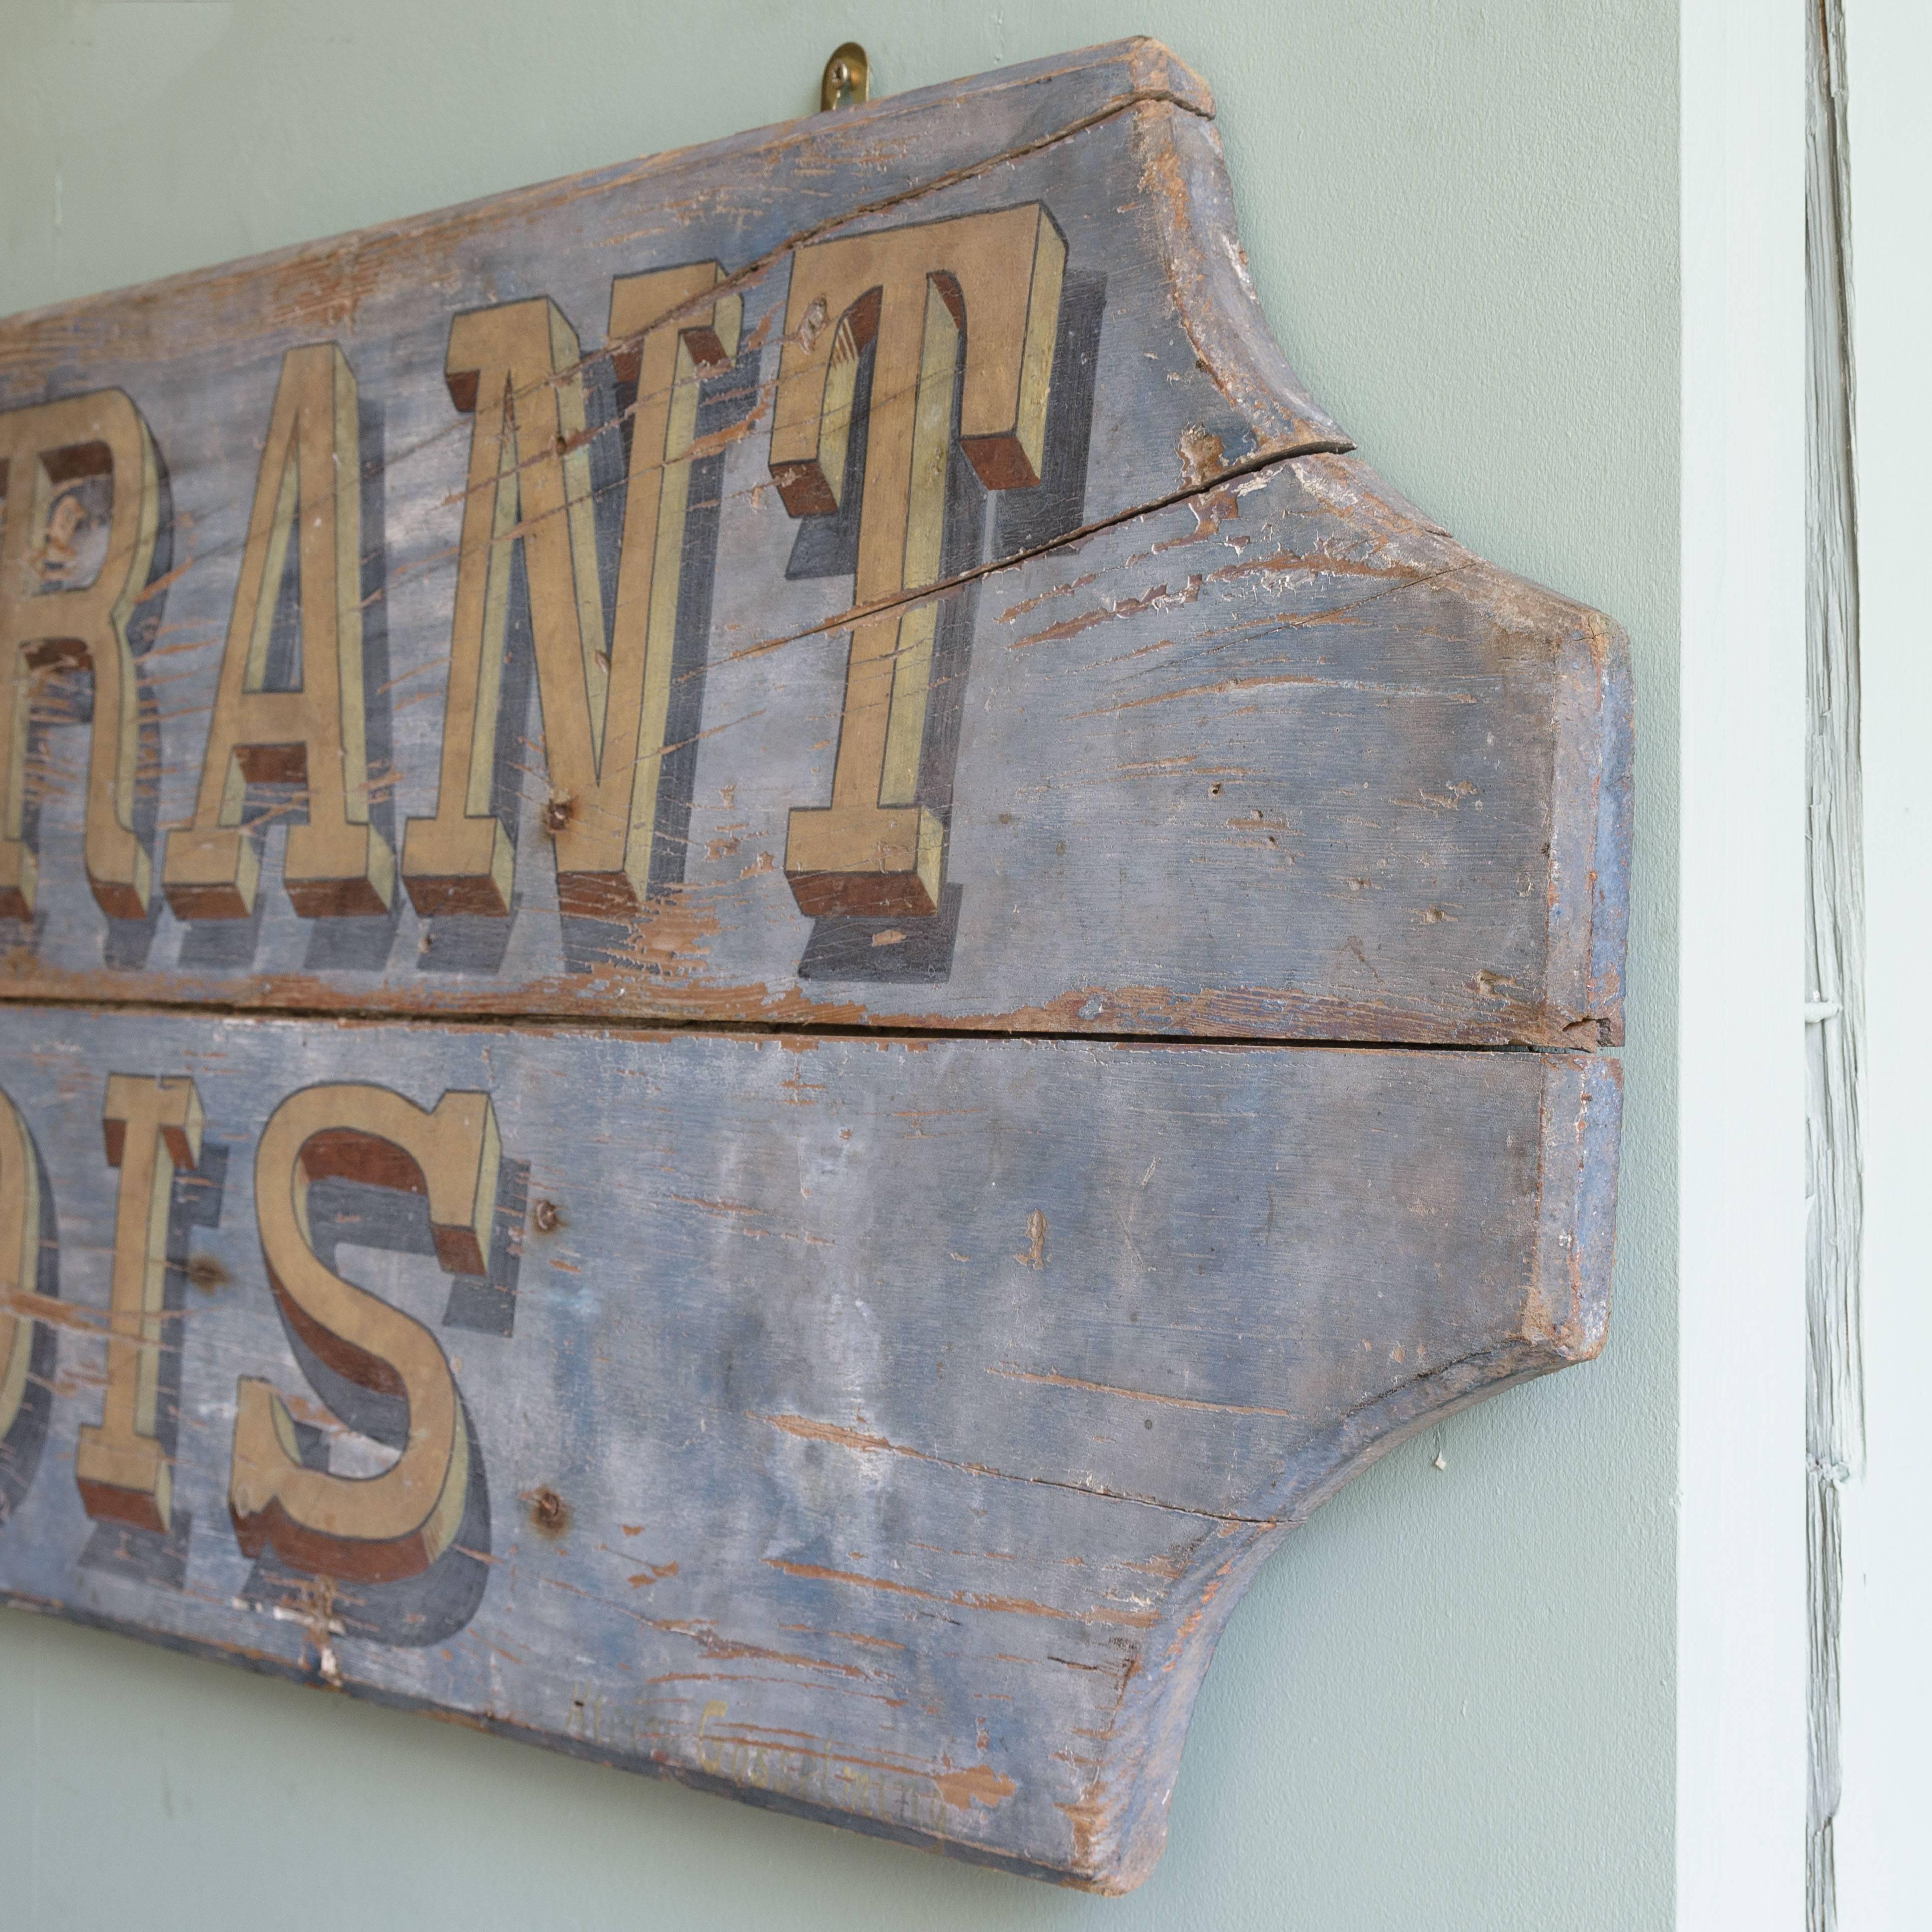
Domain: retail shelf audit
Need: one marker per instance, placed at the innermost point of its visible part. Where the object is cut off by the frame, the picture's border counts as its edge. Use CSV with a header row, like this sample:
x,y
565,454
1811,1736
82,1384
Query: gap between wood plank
x,y
624,1026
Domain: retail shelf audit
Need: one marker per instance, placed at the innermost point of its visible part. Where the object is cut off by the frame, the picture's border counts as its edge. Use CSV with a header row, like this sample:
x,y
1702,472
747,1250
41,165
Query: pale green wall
x,y
1449,1703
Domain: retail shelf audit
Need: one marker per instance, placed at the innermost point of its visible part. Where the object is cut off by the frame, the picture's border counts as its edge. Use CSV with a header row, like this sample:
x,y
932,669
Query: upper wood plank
x,y
1198,730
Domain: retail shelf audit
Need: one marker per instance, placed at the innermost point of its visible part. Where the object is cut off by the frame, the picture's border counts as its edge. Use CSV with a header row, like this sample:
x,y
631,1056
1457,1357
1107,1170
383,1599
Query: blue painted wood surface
x,y
883,1429
869,1395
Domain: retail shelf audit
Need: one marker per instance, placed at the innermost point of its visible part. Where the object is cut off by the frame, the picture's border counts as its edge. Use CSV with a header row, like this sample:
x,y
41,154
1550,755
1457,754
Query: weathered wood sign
x,y
694,866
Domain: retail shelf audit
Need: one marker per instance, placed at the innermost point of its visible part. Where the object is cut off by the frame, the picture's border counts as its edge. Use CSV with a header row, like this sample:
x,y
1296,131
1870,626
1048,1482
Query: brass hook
x,y
848,79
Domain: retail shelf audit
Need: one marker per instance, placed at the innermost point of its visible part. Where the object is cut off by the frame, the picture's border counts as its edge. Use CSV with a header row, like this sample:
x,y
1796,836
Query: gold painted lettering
x,y
378,1528
46,622
19,1256
337,864
153,1130
603,844
603,720
514,368
993,282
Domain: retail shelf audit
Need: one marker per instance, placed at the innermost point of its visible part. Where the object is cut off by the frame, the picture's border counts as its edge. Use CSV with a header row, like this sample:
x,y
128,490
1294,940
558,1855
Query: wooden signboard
x,y
771,960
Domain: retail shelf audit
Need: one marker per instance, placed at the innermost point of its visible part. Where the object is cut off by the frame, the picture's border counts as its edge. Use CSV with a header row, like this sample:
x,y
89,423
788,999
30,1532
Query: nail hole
x,y
549,1511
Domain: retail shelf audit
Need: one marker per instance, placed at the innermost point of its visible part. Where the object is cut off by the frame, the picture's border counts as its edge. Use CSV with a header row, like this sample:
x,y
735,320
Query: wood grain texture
x,y
882,1430
1421,828
1280,760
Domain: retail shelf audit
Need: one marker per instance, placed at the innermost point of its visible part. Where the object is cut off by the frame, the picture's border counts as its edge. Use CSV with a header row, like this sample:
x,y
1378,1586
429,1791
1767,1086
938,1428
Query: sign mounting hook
x,y
848,79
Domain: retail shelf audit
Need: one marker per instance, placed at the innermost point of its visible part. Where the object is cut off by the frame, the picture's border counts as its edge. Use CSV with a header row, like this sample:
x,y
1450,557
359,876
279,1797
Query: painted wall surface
x,y
1451,1701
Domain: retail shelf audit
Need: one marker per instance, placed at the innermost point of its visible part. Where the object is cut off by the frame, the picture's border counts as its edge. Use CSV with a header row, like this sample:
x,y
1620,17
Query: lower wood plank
x,y
879,1430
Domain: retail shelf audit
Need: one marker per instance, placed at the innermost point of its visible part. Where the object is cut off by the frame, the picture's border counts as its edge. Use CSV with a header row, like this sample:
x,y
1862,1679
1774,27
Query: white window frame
x,y
1741,1665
